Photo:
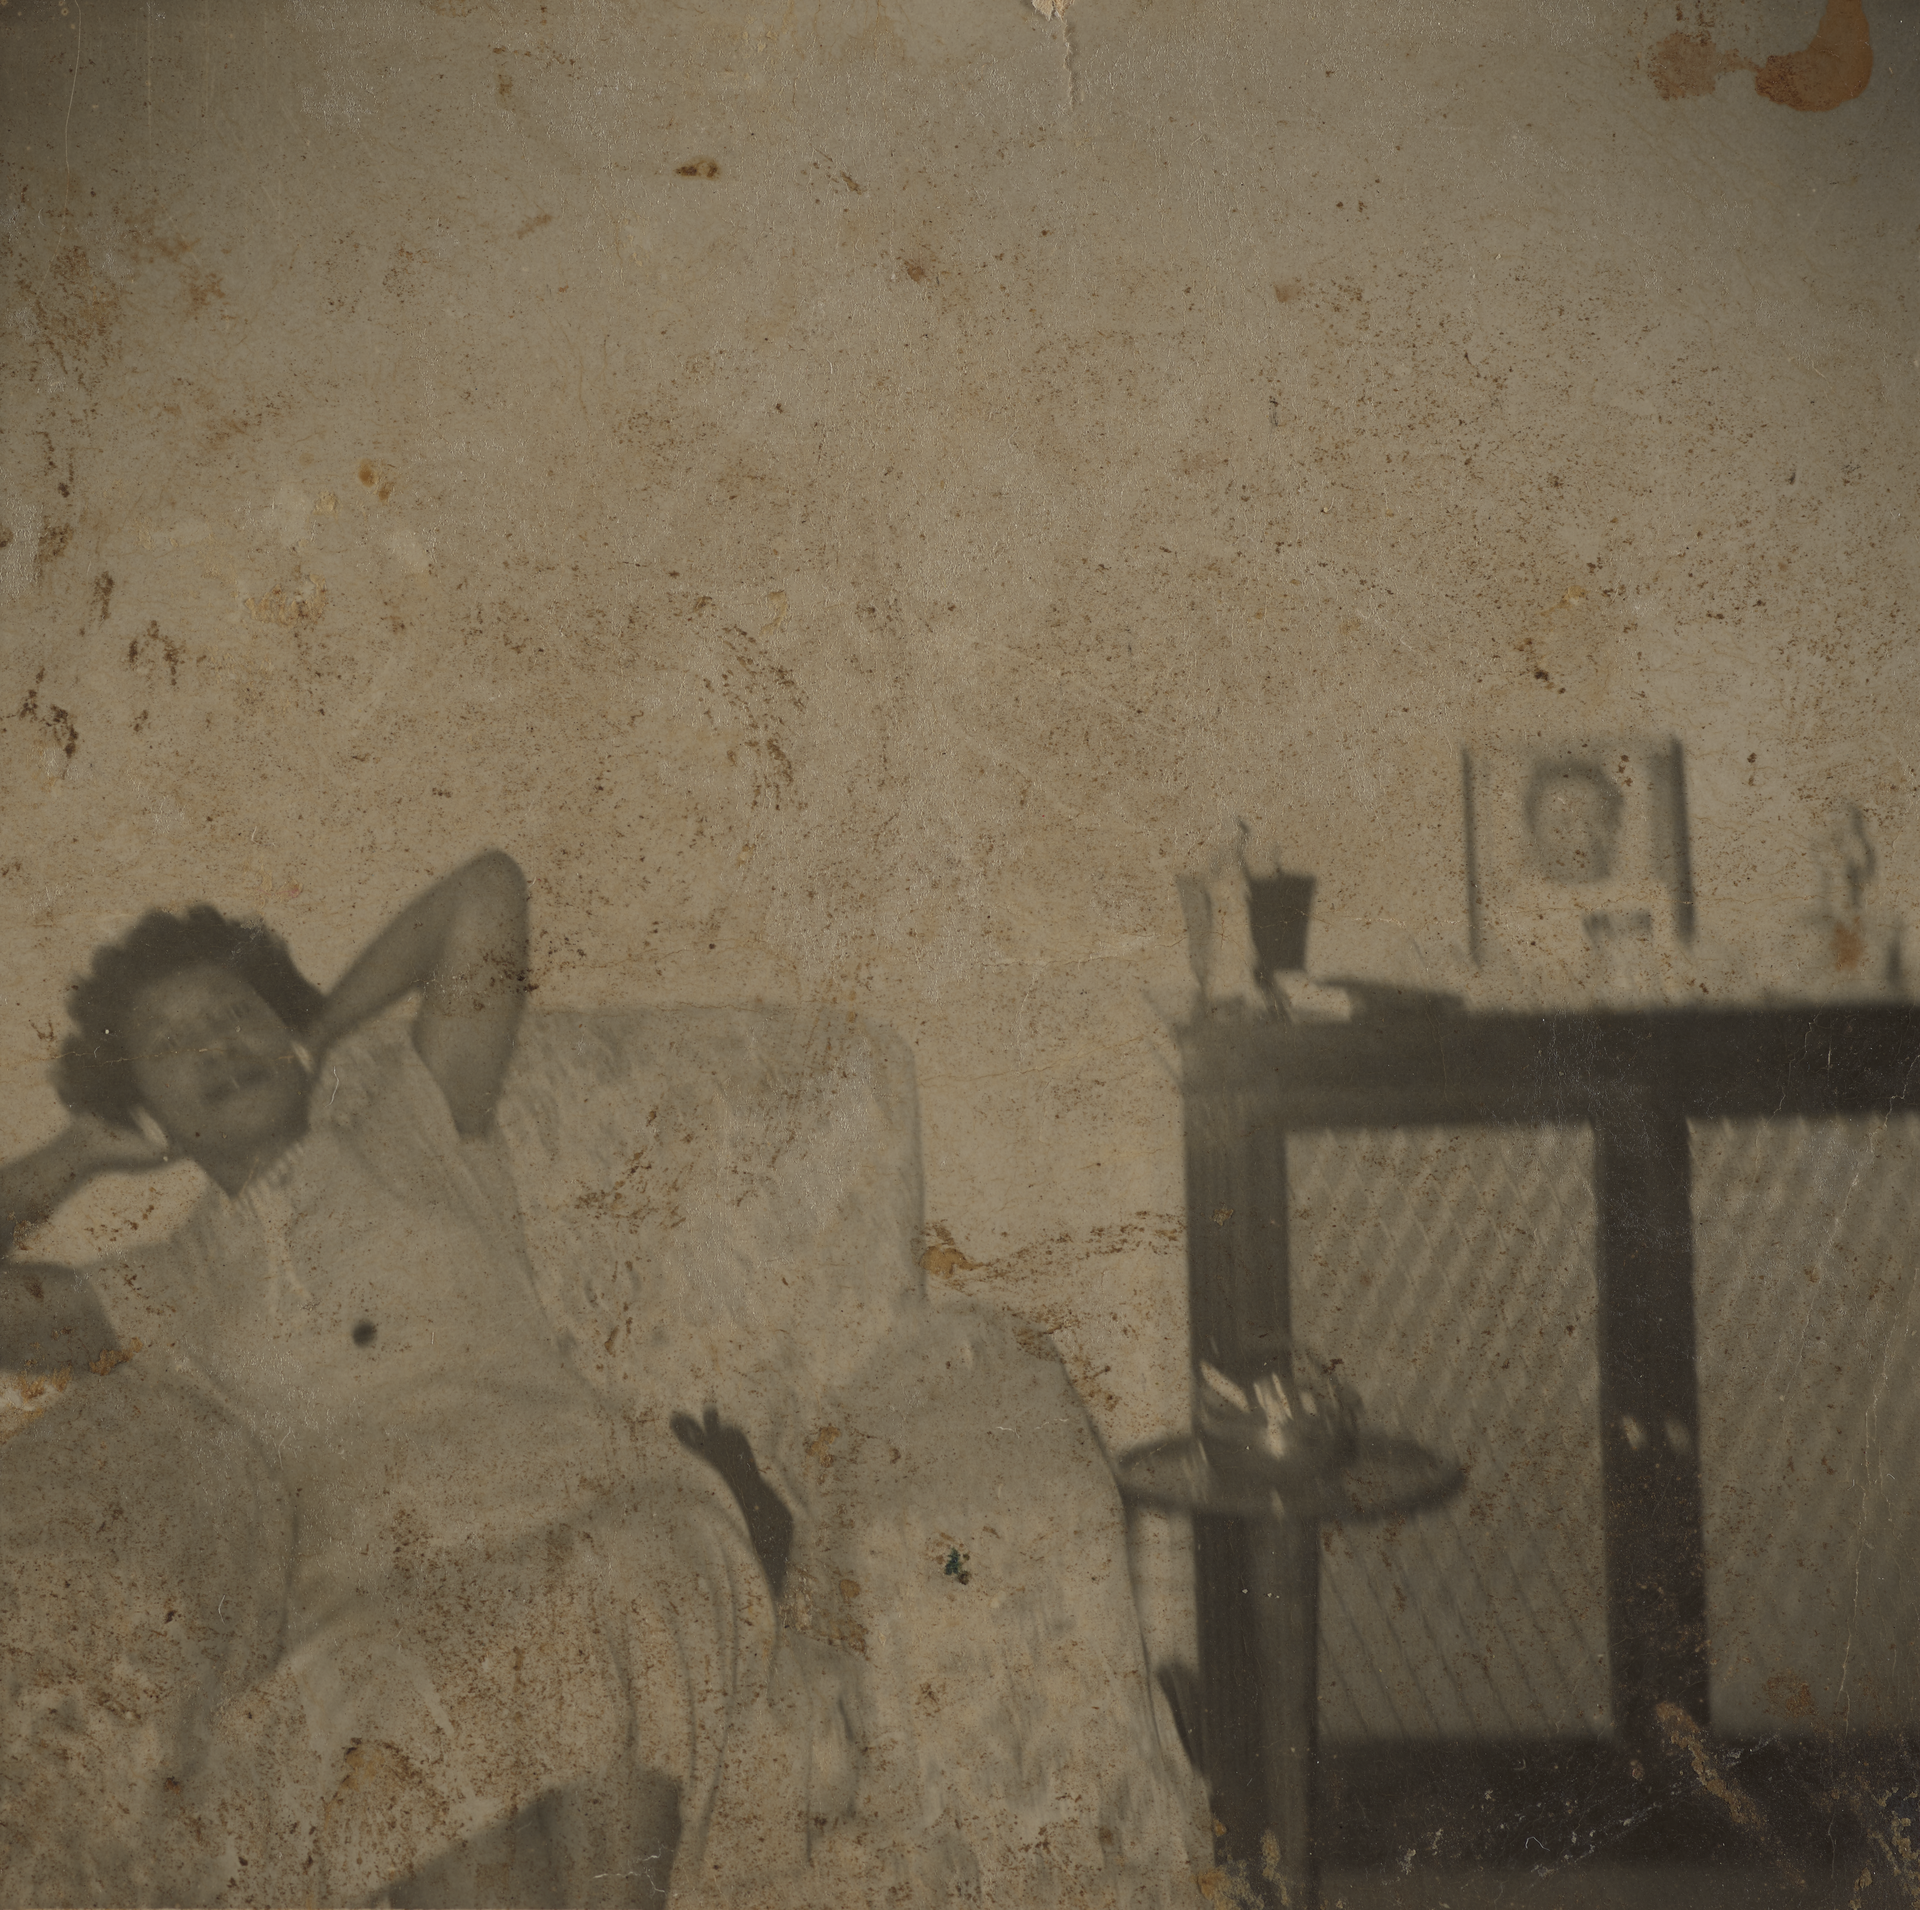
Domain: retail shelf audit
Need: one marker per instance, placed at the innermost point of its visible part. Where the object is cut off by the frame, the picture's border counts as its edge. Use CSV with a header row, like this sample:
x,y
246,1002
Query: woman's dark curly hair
x,y
94,1074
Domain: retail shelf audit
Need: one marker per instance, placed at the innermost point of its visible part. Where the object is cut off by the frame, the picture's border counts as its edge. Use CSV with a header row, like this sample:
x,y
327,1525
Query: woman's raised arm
x,y
463,945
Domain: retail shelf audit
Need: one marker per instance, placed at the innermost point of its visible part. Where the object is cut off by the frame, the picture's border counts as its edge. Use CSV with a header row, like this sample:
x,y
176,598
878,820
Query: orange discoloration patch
x,y
1832,68
1687,65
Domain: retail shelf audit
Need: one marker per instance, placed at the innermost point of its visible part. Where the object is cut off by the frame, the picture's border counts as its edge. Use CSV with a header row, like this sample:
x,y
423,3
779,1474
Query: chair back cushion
x,y
722,1205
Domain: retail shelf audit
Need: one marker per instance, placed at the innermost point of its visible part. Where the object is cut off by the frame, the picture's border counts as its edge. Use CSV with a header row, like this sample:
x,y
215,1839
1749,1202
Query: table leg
x,y
1285,1557
1259,1606
1649,1417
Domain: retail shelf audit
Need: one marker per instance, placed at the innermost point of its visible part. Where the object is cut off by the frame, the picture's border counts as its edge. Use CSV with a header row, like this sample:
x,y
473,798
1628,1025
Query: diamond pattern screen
x,y
1451,1272
1804,1259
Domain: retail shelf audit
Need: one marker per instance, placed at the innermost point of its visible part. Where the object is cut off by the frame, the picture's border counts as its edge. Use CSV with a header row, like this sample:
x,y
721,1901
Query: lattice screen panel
x,y
1451,1271
1805,1252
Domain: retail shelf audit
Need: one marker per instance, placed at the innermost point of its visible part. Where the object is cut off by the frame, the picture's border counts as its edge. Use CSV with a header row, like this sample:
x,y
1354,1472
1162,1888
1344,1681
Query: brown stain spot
x,y
1684,1734
1849,947
306,602
1032,1340
1033,1286
503,85
849,1588
534,224
915,269
1287,290
54,541
202,289
941,1259
1790,1696
224,429
170,652
698,169
57,722
368,476
74,302
103,594
800,1612
113,1356
1832,68
377,1779
820,1447
1687,65
33,1387
144,238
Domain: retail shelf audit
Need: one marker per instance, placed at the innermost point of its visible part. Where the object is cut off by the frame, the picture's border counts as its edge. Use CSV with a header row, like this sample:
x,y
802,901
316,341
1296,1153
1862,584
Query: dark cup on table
x,y
1278,912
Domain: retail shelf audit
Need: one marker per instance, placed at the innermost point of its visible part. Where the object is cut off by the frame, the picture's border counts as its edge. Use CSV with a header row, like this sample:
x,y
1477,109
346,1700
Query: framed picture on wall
x,y
1578,873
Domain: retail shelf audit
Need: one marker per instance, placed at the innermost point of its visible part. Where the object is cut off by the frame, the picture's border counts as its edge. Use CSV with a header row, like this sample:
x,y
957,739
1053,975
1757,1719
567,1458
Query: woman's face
x,y
215,1065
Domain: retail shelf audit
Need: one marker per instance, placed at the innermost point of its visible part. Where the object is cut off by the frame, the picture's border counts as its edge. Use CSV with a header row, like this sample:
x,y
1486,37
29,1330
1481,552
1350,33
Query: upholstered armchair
x,y
723,1213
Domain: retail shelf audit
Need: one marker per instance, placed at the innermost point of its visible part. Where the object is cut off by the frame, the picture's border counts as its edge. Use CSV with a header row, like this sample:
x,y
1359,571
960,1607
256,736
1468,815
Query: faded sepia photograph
x,y
959,954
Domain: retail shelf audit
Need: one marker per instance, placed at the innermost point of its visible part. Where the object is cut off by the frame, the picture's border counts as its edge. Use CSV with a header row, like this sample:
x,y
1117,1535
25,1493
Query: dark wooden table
x,y
1636,1079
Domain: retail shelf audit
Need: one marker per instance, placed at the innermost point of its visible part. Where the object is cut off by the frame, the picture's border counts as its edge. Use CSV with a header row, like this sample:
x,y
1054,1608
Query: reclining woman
x,y
527,1655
